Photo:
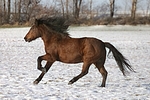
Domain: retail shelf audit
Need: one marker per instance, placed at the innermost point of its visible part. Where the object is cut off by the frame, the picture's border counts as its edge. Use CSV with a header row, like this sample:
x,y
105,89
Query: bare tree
x,y
133,10
63,9
112,7
102,9
67,11
4,11
148,7
1,12
91,3
77,6
31,8
8,13
126,6
19,10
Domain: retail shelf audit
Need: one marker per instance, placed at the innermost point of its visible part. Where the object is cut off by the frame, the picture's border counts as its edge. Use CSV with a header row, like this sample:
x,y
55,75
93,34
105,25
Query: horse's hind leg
x,y
47,67
85,69
103,71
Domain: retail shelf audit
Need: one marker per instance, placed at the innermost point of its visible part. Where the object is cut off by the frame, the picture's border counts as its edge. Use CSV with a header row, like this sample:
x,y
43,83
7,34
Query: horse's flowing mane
x,y
57,24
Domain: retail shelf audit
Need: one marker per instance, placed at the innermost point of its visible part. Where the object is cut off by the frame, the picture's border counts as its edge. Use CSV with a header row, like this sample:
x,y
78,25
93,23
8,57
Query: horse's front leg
x,y
39,65
45,69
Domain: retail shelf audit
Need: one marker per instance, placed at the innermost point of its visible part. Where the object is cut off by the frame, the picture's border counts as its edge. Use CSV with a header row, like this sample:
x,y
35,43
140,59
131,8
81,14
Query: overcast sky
x,y
141,5
94,1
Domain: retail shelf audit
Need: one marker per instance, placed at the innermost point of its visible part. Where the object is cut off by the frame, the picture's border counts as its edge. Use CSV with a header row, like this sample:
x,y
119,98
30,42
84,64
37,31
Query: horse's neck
x,y
50,36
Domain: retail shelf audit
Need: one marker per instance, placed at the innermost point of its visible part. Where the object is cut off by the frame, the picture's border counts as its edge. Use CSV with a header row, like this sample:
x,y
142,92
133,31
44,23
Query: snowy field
x,y
18,67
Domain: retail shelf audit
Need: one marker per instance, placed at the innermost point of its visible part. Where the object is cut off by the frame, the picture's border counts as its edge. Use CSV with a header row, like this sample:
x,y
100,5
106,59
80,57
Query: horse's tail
x,y
120,59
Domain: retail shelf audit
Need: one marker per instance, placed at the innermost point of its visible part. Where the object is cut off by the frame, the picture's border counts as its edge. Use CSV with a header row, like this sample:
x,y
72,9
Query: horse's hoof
x,y
102,86
70,83
35,82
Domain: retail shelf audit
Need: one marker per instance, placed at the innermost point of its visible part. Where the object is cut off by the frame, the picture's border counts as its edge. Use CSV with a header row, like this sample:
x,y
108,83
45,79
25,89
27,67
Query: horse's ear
x,y
36,22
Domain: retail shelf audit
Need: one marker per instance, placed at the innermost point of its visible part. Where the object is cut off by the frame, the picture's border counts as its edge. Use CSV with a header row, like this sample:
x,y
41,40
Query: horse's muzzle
x,y
26,39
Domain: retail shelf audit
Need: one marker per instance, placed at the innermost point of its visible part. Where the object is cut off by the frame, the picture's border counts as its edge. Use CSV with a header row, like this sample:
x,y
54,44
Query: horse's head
x,y
43,26
33,33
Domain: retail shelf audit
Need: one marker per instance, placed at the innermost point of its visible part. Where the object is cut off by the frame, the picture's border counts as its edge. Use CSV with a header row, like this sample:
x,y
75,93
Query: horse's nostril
x,y
25,38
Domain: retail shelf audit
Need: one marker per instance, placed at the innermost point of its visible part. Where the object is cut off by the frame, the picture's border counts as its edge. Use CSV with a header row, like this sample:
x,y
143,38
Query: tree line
x,y
24,11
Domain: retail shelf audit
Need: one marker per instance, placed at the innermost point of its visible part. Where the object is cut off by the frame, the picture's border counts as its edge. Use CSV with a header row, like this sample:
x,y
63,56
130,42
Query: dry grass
x,y
94,21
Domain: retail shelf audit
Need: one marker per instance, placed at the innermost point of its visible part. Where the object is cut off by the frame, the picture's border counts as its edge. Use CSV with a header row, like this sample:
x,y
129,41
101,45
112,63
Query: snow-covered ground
x,y
18,67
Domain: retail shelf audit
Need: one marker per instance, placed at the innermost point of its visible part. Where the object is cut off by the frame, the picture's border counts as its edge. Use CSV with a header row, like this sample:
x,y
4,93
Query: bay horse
x,y
59,46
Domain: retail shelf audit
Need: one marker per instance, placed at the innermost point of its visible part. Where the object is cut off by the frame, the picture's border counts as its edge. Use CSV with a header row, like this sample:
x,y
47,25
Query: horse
x,y
60,46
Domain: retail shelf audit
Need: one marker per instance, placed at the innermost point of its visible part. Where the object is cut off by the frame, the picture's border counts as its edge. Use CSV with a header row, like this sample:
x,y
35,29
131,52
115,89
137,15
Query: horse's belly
x,y
70,58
